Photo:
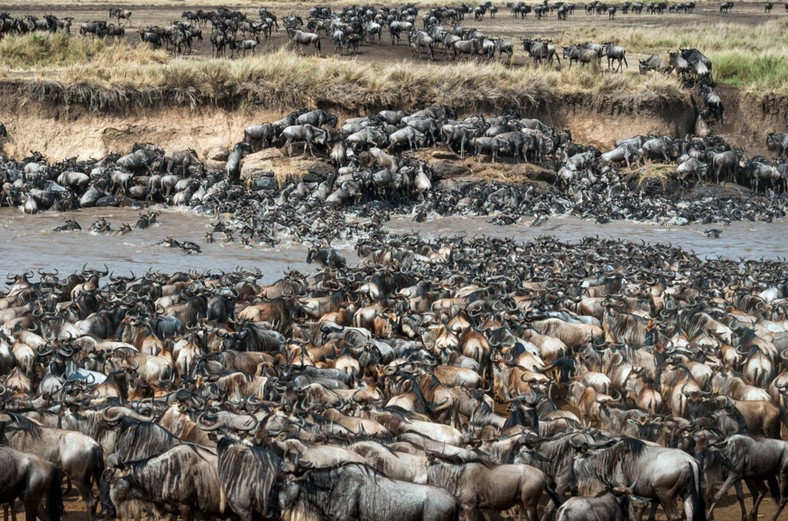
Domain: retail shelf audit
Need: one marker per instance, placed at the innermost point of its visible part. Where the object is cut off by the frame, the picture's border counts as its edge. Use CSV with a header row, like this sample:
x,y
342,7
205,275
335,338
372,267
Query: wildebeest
x,y
317,118
755,461
180,161
700,64
610,506
233,167
354,491
249,478
615,53
713,103
304,39
419,40
541,50
580,54
30,479
307,134
652,472
183,480
241,46
79,456
120,14
777,143
498,487
653,63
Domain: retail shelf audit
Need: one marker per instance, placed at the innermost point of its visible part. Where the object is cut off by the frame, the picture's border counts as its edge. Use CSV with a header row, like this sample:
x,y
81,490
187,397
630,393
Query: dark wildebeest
x,y
264,134
755,461
658,473
713,103
77,455
615,53
249,479
777,143
120,14
317,118
30,478
355,491
700,64
326,258
540,51
184,480
234,161
580,54
653,63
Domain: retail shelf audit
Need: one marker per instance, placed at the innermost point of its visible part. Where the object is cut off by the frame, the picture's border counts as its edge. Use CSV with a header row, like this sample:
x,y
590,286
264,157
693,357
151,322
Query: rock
x,y
446,169
719,191
268,153
217,154
264,183
258,164
215,166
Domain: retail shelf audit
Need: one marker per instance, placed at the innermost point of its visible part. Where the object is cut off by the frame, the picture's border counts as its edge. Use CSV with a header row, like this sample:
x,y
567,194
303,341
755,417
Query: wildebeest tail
x,y
55,496
96,465
556,499
696,495
318,44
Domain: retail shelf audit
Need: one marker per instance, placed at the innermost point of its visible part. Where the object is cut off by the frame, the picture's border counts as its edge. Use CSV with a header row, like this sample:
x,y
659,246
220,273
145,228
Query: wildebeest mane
x,y
25,425
399,413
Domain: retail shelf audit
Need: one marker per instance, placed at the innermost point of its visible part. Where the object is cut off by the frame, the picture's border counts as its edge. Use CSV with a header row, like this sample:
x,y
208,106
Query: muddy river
x,y
29,242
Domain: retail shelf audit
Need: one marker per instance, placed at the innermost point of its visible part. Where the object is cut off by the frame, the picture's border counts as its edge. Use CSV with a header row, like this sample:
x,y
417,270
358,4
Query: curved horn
x,y
201,423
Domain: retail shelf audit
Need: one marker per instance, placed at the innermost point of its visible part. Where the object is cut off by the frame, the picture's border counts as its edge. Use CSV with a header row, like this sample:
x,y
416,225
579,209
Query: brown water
x,y
28,241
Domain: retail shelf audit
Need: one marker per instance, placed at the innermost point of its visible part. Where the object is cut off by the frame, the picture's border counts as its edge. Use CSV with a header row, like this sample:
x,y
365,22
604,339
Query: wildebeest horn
x,y
201,422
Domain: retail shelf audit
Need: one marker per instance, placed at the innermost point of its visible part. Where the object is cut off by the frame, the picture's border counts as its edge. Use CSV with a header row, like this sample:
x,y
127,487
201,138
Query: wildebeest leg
x,y
186,512
758,491
732,479
84,489
783,491
669,506
653,513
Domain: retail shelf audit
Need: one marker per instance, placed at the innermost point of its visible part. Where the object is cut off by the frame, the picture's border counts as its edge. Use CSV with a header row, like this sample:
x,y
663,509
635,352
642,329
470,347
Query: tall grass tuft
x,y
42,50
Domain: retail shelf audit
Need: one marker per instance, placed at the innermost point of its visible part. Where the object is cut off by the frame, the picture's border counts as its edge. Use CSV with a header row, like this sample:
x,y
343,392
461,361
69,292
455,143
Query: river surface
x,y
28,242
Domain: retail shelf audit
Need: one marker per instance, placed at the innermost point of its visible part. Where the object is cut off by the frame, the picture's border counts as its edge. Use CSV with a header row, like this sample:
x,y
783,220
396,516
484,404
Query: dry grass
x,y
283,79
44,51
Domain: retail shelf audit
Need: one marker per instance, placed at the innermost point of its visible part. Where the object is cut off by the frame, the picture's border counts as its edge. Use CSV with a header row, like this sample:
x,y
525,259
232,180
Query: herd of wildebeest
x,y
375,165
354,26
435,380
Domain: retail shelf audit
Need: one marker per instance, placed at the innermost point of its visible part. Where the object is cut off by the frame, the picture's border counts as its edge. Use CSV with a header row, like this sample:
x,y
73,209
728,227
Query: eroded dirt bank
x,y
61,131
